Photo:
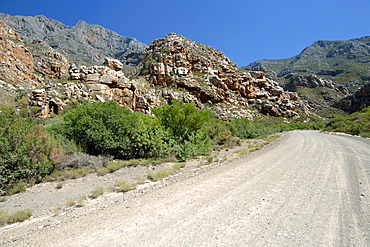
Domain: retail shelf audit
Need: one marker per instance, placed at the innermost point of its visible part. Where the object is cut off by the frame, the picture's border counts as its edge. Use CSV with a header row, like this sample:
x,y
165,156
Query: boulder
x,y
114,64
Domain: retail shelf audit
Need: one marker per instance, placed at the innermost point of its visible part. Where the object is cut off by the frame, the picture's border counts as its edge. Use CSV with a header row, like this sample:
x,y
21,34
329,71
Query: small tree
x,y
186,123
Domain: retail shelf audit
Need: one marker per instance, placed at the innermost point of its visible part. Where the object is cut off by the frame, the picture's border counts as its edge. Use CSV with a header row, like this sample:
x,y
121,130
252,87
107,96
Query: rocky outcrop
x,y
83,44
16,61
213,78
356,101
49,63
311,81
185,71
95,83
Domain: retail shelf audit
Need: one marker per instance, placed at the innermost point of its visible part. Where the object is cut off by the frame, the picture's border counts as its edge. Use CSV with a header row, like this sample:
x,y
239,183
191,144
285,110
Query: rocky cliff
x,y
356,101
213,78
83,44
16,61
312,81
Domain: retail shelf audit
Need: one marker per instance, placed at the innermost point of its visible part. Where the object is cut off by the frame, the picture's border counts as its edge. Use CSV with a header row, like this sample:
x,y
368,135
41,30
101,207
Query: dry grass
x,y
123,186
19,216
78,201
98,191
102,171
158,175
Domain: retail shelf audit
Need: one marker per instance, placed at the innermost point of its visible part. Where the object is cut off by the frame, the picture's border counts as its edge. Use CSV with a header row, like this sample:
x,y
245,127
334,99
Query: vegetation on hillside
x,y
32,150
27,153
357,123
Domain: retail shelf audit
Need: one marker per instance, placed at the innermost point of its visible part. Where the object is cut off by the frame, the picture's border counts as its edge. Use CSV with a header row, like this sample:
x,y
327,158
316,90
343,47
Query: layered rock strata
x,y
95,83
312,81
213,78
47,62
16,61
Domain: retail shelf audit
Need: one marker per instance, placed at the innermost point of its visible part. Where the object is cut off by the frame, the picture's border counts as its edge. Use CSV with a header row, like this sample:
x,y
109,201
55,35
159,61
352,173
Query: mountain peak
x,y
88,47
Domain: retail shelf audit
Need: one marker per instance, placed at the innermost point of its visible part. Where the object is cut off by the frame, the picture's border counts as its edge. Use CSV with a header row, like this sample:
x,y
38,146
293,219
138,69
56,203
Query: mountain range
x,y
84,43
322,75
344,62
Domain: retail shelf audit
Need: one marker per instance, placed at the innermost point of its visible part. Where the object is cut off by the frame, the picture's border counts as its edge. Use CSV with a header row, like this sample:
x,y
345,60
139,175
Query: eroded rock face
x,y
81,43
95,83
16,61
47,61
357,101
312,81
187,71
212,77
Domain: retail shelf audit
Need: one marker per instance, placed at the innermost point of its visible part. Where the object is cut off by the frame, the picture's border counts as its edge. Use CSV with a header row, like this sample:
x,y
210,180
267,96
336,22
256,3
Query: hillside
x,y
344,62
84,43
340,66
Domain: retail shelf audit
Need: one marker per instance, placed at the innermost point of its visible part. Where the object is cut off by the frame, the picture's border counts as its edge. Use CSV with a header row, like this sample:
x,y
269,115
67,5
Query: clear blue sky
x,y
244,30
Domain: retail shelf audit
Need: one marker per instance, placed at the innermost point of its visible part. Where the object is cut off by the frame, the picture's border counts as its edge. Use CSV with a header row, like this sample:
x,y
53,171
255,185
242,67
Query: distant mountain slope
x,y
84,43
345,62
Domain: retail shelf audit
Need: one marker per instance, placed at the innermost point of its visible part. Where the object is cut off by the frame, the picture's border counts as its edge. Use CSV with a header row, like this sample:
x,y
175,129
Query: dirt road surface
x,y
306,189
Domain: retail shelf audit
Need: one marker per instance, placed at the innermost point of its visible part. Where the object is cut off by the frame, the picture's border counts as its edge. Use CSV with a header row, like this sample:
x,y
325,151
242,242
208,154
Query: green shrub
x,y
102,171
163,173
357,123
26,151
98,191
219,131
158,175
110,130
3,217
178,166
61,175
59,186
18,216
114,166
78,201
186,125
123,186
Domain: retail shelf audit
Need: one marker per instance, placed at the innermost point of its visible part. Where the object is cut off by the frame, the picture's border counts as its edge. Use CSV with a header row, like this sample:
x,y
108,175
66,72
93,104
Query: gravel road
x,y
306,189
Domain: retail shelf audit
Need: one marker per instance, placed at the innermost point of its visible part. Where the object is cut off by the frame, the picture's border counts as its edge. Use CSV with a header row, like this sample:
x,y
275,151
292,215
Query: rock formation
x,y
312,81
213,78
175,67
16,61
95,83
356,101
49,63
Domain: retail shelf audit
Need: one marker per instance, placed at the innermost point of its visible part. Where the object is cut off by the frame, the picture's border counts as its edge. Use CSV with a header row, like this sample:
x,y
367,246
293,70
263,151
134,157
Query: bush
x,y
102,171
186,125
25,150
219,131
18,216
114,166
123,186
98,191
110,130
357,123
78,201
155,176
